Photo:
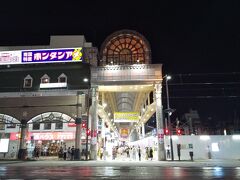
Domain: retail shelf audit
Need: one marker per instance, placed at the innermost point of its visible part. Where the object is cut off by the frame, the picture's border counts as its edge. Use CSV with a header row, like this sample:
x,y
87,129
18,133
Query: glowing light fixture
x,y
168,77
204,137
85,80
174,137
236,137
215,147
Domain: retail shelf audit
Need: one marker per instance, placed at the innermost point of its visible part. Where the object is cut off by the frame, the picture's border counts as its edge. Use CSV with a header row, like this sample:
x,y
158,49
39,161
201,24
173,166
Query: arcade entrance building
x,y
87,99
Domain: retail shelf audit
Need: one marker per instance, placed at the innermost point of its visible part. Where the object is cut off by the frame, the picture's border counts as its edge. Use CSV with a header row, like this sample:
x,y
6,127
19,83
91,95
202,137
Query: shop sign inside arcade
x,y
46,136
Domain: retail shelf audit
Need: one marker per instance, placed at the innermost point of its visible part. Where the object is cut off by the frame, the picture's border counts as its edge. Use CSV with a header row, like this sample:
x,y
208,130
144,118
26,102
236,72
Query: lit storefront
x,y
49,106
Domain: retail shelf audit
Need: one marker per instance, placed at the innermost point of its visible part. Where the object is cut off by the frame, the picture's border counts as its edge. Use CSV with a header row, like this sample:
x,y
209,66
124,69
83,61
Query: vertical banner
x,y
161,136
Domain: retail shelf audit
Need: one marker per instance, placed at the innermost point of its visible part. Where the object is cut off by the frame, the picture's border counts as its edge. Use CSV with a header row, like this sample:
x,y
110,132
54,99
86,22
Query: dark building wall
x,y
12,78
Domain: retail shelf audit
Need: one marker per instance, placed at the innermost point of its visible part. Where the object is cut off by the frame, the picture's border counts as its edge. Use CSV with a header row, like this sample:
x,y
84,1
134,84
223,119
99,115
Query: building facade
x,y
44,98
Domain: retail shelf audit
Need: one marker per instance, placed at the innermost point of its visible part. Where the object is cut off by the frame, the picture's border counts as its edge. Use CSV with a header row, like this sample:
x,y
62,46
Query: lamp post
x,y
169,111
87,123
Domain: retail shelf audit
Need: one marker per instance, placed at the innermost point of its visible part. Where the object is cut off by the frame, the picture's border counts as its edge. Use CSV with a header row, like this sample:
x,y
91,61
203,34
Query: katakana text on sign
x,y
52,55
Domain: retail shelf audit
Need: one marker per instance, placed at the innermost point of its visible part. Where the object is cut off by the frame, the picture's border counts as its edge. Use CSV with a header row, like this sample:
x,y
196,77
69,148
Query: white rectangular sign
x,y
4,144
10,57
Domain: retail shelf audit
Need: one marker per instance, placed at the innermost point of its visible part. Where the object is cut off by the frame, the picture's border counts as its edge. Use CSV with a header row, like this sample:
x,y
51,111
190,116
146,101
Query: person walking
x,y
69,153
151,153
134,153
131,153
72,152
127,151
168,152
139,153
101,152
146,153
65,152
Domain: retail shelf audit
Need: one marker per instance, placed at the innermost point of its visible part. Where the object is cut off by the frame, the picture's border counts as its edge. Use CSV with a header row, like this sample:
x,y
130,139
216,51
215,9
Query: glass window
x,y
36,126
45,79
47,126
134,43
62,78
59,125
12,125
2,126
28,81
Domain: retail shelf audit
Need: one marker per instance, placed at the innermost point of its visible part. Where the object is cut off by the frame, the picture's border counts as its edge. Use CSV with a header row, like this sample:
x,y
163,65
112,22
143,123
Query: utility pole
x,y
169,111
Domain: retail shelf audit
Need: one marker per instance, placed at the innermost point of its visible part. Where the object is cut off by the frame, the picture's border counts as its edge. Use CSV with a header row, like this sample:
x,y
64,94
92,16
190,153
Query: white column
x,y
148,98
23,135
94,123
78,122
22,152
143,130
103,122
159,121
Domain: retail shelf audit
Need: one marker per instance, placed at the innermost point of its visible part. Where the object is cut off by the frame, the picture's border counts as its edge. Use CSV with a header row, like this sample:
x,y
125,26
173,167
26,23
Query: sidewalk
x,y
196,163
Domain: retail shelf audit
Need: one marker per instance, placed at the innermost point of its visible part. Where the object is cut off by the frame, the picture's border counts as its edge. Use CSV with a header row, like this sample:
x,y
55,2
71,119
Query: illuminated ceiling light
x,y
147,115
109,114
143,109
85,80
151,109
141,87
204,137
104,105
138,61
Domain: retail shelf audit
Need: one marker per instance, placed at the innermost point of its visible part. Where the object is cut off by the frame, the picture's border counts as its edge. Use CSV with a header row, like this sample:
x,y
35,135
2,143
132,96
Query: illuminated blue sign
x,y
52,55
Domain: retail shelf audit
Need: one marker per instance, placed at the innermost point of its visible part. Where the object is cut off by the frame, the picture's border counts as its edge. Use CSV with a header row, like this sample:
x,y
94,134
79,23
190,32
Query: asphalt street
x,y
119,170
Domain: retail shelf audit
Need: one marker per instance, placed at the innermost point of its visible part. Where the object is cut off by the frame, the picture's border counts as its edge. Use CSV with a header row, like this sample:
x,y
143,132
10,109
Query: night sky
x,y
196,41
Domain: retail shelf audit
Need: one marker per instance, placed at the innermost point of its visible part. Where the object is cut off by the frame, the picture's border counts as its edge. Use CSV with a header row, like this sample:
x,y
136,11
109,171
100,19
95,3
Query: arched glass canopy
x,y
124,48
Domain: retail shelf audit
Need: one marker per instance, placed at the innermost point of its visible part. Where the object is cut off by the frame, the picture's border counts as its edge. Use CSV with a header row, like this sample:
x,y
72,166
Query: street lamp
x,y
169,112
87,123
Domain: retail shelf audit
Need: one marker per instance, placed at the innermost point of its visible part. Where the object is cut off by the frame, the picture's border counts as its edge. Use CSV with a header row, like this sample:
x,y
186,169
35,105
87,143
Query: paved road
x,y
115,170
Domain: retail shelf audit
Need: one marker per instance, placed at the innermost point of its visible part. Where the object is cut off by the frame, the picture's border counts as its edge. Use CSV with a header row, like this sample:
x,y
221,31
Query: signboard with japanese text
x,y
161,136
46,136
10,57
94,140
52,55
126,116
71,124
41,56
124,132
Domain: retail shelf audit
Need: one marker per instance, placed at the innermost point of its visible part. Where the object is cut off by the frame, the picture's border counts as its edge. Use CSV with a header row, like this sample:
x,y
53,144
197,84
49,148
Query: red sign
x,y
46,136
71,125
